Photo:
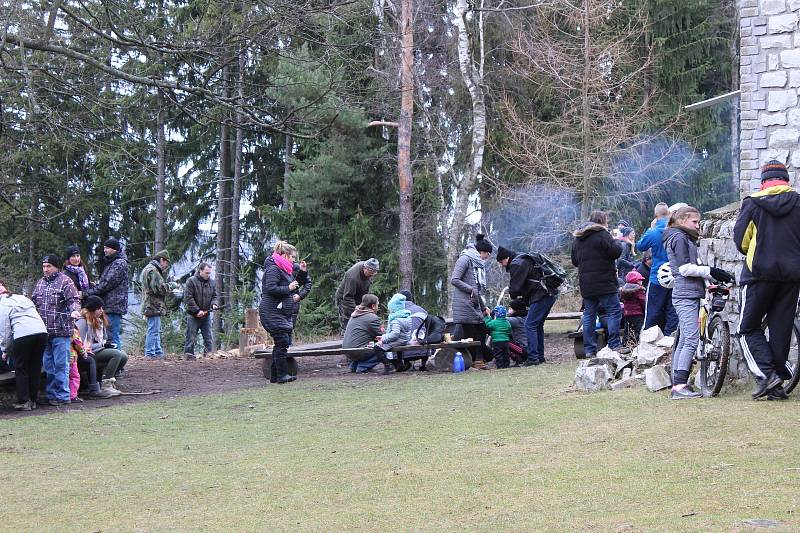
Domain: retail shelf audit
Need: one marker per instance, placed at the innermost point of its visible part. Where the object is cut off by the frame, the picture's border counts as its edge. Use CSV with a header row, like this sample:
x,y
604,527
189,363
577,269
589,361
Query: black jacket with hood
x,y
277,305
525,279
767,232
594,252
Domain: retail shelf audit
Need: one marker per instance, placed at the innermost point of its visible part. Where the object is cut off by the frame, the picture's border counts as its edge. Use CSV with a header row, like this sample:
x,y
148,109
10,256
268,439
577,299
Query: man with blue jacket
x,y
659,311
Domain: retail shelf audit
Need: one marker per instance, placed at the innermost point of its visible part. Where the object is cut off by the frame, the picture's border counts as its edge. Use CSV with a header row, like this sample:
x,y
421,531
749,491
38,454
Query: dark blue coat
x,y
277,306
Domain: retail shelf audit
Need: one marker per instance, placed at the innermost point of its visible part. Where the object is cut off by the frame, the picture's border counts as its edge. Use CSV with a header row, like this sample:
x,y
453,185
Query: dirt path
x,y
174,378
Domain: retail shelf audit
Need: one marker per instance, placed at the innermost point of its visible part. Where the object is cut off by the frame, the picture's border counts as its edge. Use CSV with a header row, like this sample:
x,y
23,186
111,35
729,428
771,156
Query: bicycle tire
x,y
794,360
715,346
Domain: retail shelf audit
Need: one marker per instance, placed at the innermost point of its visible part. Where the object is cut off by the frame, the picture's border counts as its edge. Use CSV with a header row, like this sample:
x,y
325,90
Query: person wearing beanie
x,y
112,287
154,295
469,282
767,232
399,329
101,356
76,270
659,311
525,284
57,302
633,305
626,262
500,330
356,283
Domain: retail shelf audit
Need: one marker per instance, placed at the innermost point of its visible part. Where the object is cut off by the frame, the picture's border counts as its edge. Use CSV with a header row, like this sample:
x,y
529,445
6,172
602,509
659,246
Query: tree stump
x,y
252,338
443,359
266,366
251,319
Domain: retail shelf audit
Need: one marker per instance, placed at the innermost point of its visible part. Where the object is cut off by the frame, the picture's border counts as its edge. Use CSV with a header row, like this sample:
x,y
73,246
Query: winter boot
x,y
108,386
97,393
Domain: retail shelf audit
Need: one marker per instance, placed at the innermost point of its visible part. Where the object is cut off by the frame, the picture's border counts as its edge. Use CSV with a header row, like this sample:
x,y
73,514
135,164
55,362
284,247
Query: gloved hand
x,y
720,275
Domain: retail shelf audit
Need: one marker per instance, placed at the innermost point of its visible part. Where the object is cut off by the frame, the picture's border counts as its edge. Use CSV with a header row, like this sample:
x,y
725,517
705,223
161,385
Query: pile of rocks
x,y
647,365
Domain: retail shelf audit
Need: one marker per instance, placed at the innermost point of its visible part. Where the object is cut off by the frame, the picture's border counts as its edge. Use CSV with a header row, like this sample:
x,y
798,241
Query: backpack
x,y
431,331
553,274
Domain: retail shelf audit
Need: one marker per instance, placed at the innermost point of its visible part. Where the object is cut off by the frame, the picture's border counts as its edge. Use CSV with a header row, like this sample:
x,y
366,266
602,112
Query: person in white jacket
x,y
23,338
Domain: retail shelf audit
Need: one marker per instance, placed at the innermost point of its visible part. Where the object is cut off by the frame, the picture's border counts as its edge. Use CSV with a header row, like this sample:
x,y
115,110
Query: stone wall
x,y
770,78
717,249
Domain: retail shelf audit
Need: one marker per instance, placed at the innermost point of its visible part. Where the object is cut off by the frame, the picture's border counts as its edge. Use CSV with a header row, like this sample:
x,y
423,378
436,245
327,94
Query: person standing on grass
x,y
469,282
154,293
526,284
200,297
57,302
23,337
500,330
680,241
278,288
659,311
112,287
594,252
356,283
768,233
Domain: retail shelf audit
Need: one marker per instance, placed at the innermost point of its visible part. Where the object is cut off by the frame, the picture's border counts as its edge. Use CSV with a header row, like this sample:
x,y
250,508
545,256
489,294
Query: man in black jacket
x,y
201,298
526,284
768,233
594,252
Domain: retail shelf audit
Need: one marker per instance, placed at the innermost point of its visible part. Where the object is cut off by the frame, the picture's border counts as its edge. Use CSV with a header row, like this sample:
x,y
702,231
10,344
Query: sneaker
x,y
764,385
777,394
684,394
190,357
58,403
75,400
25,406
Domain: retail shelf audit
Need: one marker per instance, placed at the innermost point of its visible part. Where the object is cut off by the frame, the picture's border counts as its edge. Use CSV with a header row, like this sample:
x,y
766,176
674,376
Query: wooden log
x,y
251,339
251,318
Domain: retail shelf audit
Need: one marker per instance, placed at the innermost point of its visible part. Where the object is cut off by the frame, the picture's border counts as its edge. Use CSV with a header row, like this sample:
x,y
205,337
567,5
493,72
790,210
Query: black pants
x,y
776,301
500,352
27,352
475,332
89,366
279,366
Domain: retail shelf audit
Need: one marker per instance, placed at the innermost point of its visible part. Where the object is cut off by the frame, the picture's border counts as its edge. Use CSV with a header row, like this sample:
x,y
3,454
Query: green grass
x,y
514,450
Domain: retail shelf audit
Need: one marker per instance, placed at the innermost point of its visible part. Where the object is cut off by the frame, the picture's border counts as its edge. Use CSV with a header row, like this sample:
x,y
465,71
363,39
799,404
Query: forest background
x,y
351,128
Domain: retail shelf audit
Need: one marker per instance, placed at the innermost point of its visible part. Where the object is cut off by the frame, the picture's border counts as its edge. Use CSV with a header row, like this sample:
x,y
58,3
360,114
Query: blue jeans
x,y
56,366
659,310
609,302
115,326
534,327
192,325
152,341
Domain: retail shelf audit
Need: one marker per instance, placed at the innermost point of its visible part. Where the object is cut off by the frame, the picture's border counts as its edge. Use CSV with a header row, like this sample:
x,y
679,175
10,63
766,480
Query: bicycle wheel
x,y
715,352
793,362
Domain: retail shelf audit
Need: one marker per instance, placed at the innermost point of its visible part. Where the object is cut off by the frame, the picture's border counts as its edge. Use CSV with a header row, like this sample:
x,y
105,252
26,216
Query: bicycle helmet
x,y
664,276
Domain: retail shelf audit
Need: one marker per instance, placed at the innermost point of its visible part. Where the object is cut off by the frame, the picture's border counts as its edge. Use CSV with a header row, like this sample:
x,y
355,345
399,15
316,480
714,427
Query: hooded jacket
x,y
18,318
154,290
594,252
113,284
633,299
277,305
767,232
467,301
689,275
362,328
199,294
653,240
56,297
525,279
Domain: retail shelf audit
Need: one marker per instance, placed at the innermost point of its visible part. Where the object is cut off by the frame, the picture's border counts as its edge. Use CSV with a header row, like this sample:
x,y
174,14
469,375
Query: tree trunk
x,y
223,220
585,118
287,167
161,158
236,196
472,74
404,146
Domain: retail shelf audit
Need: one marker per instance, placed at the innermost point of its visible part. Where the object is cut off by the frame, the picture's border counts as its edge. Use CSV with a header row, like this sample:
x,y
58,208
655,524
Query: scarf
x,y
766,184
693,234
478,266
283,263
83,279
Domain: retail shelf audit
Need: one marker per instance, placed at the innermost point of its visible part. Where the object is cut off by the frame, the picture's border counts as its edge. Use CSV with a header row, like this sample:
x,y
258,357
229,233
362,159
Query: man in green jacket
x,y
154,292
354,286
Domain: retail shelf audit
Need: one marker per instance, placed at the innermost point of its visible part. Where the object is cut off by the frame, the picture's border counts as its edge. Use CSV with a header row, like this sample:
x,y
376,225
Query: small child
x,y
518,346
500,331
76,350
634,302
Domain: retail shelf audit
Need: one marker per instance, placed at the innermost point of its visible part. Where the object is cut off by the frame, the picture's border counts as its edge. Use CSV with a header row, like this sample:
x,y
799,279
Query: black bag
x,y
431,331
553,274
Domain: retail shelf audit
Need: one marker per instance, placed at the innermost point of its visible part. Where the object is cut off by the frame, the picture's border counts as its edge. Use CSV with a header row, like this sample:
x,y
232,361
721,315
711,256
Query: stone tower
x,y
770,80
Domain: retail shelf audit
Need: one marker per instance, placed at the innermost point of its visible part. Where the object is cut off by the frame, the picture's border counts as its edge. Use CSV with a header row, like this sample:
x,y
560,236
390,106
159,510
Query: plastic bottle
x,y
458,362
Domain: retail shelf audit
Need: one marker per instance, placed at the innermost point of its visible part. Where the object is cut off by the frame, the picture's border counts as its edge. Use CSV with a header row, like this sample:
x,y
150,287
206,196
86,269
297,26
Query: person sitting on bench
x,y
398,333
363,327
418,316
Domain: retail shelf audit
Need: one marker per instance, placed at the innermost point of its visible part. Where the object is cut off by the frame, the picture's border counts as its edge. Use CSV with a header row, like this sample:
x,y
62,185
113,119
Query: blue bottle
x,y
458,362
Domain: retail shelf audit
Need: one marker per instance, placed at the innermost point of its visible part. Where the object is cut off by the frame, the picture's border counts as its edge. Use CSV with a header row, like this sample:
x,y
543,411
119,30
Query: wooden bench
x,y
445,352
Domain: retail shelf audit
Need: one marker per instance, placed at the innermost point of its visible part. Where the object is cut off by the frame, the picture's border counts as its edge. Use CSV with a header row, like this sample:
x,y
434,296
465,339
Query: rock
x,y
627,372
623,366
781,100
647,354
651,335
666,342
592,378
629,382
657,378
609,363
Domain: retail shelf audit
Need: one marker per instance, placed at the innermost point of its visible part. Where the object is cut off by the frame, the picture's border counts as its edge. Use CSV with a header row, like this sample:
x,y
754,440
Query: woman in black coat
x,y
278,288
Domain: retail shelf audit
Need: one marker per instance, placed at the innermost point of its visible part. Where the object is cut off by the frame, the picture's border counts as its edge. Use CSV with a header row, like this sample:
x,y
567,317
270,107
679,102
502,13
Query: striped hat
x,y
774,170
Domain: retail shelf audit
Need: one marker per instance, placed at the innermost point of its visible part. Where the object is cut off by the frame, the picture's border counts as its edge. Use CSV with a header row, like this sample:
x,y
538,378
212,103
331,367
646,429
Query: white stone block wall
x,y
770,80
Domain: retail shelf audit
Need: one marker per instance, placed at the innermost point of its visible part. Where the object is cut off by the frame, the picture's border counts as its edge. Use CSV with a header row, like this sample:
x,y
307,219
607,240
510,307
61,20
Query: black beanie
x,y
111,242
774,170
518,306
53,259
503,253
72,250
482,244
93,303
407,294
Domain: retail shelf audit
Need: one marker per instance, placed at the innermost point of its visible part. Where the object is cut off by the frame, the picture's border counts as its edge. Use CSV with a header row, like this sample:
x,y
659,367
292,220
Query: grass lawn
x,y
409,453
